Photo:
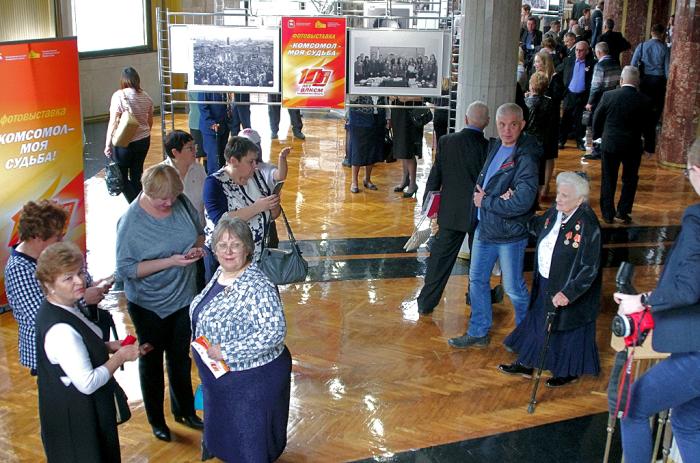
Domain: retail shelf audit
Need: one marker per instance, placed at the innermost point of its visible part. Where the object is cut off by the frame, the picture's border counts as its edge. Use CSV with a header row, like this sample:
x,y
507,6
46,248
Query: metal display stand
x,y
172,96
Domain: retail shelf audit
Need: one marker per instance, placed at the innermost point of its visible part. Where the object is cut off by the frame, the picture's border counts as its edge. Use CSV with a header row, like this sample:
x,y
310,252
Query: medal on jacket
x,y
567,238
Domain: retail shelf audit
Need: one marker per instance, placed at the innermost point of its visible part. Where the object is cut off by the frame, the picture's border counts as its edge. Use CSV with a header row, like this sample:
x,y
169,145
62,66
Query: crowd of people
x,y
242,64
204,281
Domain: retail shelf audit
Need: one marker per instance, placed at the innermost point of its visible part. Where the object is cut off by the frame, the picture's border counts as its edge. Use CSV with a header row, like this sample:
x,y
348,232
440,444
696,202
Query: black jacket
x,y
568,71
675,303
537,39
575,267
505,221
616,43
597,28
621,118
458,163
539,118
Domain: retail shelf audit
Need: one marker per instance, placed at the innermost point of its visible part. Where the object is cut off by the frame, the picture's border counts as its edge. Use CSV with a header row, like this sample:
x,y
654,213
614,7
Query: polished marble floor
x,y
371,380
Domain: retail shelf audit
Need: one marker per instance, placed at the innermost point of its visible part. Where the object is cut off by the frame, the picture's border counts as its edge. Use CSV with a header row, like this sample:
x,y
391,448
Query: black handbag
x,y
388,153
121,404
283,266
113,178
420,116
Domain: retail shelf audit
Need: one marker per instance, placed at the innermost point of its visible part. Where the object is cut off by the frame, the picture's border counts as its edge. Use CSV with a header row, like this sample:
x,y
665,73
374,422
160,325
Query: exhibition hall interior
x,y
362,131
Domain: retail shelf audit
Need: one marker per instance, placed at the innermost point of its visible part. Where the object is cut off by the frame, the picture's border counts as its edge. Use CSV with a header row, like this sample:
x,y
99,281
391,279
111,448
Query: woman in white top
x,y
130,97
76,387
181,153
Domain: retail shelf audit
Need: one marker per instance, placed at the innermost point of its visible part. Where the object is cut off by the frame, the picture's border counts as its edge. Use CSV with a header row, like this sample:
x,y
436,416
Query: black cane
x,y
543,355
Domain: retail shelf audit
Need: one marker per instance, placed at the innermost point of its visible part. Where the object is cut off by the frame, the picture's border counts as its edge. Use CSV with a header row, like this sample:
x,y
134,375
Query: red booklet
x,y
432,204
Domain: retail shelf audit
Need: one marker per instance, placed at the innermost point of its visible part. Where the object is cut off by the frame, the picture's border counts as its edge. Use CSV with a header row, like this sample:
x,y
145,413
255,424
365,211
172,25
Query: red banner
x,y
41,136
313,62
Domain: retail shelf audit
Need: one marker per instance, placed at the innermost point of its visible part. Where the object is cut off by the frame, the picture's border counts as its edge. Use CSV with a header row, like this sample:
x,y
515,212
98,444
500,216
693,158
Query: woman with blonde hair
x,y
555,91
158,239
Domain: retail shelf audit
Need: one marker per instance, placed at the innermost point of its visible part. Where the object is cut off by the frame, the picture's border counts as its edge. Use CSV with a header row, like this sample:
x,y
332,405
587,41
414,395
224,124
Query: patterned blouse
x,y
24,296
246,319
221,195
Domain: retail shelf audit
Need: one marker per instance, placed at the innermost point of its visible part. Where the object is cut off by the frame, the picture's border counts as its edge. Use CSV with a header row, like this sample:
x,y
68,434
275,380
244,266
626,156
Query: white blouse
x,y
546,246
65,347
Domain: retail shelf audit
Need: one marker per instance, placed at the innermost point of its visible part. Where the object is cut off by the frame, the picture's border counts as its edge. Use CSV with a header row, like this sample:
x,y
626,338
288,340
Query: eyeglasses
x,y
229,247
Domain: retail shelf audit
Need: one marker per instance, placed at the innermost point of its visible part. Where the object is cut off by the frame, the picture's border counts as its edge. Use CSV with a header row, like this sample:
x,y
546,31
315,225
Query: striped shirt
x,y
140,105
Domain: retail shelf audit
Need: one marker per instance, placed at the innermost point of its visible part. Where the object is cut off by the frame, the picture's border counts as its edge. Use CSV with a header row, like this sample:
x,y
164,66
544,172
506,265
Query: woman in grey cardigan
x,y
158,240
240,315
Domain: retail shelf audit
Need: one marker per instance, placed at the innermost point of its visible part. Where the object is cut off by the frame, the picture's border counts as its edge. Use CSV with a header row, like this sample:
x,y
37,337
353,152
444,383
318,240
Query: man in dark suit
x,y
597,23
577,10
214,125
578,73
530,41
616,42
459,161
622,118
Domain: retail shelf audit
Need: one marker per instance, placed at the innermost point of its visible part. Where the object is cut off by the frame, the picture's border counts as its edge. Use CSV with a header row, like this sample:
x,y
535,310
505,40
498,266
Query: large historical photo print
x,y
396,62
236,59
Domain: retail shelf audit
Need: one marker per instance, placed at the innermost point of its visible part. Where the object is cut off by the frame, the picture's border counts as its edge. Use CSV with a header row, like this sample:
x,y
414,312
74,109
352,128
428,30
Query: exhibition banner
x,y
313,62
41,137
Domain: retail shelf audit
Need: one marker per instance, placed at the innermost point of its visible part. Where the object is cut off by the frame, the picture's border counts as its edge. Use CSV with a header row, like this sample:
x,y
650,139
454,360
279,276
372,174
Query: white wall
x,y
99,79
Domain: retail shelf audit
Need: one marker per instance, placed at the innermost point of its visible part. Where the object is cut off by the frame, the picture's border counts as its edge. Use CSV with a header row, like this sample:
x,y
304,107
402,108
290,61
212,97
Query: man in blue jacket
x,y
504,198
214,125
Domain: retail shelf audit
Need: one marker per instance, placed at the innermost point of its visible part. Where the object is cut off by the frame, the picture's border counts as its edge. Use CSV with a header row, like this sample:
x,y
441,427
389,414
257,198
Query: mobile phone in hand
x,y
278,188
145,348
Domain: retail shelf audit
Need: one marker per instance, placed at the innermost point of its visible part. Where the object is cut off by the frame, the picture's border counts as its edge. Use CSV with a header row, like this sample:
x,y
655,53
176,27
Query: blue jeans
x,y
484,255
674,383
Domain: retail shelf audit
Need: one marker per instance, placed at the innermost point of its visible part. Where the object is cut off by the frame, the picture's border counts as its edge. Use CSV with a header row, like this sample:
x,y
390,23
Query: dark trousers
x,y
273,112
655,88
130,161
170,335
443,254
240,114
608,184
214,144
574,104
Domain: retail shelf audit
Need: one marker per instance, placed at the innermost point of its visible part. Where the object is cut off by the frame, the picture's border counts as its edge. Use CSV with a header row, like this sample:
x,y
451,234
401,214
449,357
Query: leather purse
x,y
283,266
420,116
113,178
121,404
586,118
126,127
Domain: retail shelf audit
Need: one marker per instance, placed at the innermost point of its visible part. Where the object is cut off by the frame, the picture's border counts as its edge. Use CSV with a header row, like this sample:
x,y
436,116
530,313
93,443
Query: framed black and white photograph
x,y
235,59
395,62
540,6
401,10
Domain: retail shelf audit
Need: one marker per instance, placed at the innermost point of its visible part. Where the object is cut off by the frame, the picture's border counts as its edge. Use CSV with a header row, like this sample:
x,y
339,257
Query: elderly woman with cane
x,y
567,282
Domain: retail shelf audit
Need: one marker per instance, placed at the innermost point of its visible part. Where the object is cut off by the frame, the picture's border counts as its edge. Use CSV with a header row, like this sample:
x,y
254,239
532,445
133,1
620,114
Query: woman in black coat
x,y
567,281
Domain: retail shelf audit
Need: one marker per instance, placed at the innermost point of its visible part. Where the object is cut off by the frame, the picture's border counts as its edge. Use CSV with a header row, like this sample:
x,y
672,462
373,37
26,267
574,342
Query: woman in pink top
x,y
130,97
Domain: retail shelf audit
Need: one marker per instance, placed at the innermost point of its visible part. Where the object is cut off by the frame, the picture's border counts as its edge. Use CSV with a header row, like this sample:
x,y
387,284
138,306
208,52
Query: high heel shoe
x,y
369,185
410,193
399,188
354,189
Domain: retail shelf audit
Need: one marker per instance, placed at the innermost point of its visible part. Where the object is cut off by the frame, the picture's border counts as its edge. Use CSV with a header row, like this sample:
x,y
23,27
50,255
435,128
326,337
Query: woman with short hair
x,y
241,316
158,239
132,98
76,386
567,282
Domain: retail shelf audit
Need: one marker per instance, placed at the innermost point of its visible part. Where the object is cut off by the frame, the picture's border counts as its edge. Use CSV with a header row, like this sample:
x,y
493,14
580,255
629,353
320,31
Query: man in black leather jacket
x,y
501,230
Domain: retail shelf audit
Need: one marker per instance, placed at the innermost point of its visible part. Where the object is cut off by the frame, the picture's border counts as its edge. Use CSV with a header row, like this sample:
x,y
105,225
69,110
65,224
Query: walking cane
x,y
543,355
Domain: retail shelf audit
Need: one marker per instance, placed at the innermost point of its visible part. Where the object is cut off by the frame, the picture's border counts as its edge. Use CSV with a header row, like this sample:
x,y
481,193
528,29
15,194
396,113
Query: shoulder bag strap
x,y
181,197
265,191
127,106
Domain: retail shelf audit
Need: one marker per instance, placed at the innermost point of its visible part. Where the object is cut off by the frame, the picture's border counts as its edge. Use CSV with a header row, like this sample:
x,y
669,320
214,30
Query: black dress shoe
x,y
562,144
626,219
206,454
581,146
462,342
608,220
559,381
592,157
497,294
161,432
516,369
425,311
193,421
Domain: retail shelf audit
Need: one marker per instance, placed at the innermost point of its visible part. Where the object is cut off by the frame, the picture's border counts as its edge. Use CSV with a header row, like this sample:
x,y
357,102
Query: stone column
x,y
488,56
635,25
660,12
681,119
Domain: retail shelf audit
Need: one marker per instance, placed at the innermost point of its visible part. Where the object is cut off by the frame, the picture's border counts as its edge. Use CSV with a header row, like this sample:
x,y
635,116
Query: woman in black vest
x,y
567,281
76,387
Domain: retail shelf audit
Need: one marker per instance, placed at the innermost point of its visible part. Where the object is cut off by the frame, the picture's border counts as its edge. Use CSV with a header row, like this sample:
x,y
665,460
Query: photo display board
x,y
396,62
313,62
234,59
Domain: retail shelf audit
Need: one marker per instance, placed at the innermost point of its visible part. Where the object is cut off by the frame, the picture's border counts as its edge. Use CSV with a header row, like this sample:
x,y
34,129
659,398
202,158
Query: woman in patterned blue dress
x,y
240,314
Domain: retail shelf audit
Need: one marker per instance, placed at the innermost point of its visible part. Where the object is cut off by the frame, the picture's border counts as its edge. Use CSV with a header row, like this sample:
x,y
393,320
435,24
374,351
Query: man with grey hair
x,y
623,116
606,76
505,196
459,160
